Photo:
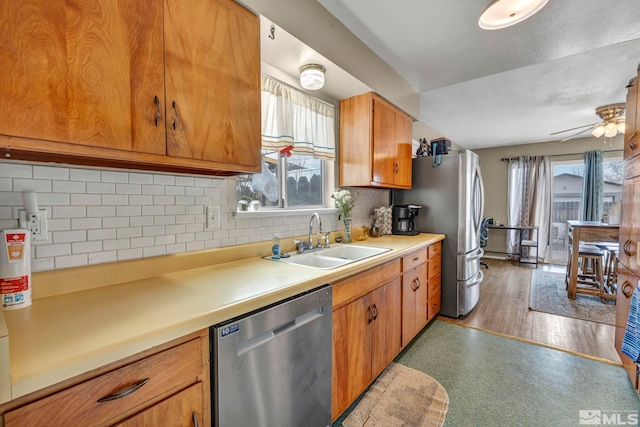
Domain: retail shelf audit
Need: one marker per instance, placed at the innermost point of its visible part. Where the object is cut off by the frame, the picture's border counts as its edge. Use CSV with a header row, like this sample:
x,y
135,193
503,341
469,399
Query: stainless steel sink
x,y
334,256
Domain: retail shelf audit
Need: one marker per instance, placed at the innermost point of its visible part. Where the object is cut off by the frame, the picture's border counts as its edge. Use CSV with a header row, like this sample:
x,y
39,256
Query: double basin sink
x,y
333,257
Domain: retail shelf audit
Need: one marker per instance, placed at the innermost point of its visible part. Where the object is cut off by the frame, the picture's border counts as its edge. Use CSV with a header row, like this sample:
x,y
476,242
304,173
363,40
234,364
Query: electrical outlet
x,y
213,217
36,225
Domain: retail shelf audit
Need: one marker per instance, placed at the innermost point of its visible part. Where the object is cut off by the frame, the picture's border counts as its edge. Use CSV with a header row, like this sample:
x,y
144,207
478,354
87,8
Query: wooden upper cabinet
x,y
83,72
212,77
375,143
84,82
631,143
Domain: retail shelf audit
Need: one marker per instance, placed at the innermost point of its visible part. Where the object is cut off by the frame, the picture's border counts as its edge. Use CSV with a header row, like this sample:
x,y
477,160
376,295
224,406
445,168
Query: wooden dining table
x,y
586,231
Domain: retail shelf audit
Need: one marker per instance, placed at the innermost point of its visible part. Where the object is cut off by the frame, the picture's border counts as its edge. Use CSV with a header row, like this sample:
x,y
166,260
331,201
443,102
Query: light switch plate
x,y
213,217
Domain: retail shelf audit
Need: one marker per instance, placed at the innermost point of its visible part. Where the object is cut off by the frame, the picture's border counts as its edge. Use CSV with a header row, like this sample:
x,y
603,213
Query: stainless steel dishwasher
x,y
272,367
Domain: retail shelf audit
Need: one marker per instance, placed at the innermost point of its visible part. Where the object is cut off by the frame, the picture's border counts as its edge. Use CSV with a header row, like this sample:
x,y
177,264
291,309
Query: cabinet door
x,y
213,82
351,372
414,302
627,283
404,132
182,409
83,72
630,221
386,327
631,147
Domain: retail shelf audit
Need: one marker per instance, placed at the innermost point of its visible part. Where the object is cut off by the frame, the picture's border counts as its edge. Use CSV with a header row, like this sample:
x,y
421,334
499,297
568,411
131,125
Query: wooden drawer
x,y
435,250
414,259
434,267
352,288
163,372
434,307
434,287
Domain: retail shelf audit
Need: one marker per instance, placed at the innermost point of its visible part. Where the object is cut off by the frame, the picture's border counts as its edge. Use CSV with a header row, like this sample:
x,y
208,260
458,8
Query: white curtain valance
x,y
289,117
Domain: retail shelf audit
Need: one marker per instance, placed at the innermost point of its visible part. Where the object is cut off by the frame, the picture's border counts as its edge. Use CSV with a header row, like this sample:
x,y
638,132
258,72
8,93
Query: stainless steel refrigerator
x,y
452,200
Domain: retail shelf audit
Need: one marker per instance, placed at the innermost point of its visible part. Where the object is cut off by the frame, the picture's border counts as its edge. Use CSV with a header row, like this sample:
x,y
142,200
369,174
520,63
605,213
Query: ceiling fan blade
x,y
576,134
579,127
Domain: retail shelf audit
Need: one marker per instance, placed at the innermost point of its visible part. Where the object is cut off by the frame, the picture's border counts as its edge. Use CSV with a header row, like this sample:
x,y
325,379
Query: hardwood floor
x,y
504,309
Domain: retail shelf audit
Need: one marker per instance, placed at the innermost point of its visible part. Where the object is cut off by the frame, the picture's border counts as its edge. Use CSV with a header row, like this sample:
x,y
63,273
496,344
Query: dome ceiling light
x,y
505,13
312,76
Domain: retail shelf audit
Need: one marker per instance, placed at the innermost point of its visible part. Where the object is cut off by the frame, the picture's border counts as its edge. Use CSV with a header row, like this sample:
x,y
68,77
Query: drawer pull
x,y
124,393
375,312
194,417
416,258
627,289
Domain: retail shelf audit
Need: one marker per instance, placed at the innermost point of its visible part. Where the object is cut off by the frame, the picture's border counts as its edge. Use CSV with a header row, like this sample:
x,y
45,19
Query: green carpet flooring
x,y
497,381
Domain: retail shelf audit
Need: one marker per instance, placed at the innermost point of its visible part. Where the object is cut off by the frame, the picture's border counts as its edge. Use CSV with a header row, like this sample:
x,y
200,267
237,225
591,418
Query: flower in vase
x,y
345,202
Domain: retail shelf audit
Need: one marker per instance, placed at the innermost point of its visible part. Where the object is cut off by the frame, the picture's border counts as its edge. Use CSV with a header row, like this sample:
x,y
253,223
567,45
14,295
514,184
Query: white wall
x,y
102,215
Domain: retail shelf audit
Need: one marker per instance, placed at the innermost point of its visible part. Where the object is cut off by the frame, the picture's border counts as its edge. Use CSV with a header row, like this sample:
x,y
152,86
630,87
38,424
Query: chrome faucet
x,y
315,215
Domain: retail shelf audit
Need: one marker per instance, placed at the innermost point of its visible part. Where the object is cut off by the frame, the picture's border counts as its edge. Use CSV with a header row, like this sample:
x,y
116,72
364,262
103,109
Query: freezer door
x,y
469,293
469,264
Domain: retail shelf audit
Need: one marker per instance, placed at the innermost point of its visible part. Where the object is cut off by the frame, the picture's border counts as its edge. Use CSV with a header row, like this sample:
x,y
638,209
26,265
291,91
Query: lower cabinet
x,y
366,338
170,387
375,314
627,282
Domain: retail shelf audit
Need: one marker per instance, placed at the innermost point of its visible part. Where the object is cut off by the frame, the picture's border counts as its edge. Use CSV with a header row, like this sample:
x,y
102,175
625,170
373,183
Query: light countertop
x,y
74,326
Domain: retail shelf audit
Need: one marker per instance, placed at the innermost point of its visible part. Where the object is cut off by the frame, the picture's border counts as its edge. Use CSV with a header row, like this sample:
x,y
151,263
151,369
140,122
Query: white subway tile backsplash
x,y
85,223
86,199
69,236
13,170
101,188
100,215
87,175
68,187
112,176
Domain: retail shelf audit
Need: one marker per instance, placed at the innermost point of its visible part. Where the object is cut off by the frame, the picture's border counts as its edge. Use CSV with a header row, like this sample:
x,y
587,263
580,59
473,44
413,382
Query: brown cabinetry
x,y
366,331
171,385
629,268
375,143
415,285
85,83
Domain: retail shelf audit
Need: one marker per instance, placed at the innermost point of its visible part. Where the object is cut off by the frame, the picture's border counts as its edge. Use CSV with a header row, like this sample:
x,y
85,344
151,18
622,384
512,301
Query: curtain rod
x,y
506,159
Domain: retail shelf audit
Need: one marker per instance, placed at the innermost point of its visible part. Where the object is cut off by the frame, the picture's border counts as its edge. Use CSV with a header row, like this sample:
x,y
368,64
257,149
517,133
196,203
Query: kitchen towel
x,y
631,340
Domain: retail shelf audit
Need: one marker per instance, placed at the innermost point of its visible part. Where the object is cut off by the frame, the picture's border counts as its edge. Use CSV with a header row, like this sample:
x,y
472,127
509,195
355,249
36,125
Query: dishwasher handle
x,y
295,323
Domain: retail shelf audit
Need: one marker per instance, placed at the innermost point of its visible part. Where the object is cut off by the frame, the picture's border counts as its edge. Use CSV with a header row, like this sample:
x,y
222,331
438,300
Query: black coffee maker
x,y
402,220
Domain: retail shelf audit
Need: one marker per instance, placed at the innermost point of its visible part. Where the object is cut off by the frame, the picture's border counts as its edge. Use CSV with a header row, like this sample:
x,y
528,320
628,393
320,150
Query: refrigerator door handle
x,y
476,281
478,255
478,198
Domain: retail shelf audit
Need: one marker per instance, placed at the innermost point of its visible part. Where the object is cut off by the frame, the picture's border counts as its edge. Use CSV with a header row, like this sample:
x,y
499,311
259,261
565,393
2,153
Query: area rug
x,y
401,396
549,295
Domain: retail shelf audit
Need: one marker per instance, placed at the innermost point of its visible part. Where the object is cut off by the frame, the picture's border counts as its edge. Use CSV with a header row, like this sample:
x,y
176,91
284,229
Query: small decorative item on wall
x,y
345,203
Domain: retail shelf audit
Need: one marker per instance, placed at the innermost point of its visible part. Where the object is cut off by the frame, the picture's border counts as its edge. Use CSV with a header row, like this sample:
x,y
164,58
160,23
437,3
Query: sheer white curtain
x,y
529,198
290,117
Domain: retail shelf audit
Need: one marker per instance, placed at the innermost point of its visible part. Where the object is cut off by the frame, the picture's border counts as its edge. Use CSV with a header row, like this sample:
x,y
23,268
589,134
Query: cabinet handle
x,y
369,314
418,283
194,417
632,142
158,111
395,167
124,393
375,312
416,258
628,248
627,289
177,116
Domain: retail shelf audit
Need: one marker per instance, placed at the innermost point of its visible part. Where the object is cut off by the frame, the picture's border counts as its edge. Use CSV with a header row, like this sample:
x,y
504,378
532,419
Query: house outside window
x,y
298,152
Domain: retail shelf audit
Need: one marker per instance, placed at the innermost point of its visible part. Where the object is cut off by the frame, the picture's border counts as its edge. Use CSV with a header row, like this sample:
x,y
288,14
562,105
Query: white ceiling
x,y
516,85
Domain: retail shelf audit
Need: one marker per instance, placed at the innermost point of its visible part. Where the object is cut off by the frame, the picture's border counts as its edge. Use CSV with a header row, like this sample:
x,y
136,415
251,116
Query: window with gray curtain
x,y
529,199
592,199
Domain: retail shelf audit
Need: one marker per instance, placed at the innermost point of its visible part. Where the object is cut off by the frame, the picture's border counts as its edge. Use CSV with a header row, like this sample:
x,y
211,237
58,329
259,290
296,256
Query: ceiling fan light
x,y
312,76
598,132
610,130
621,127
504,13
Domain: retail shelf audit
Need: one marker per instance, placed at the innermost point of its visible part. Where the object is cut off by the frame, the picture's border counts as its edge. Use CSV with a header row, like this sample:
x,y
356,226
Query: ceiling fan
x,y
613,121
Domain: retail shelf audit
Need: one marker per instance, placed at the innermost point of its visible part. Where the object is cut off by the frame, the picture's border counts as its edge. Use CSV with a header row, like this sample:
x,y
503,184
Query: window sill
x,y
271,213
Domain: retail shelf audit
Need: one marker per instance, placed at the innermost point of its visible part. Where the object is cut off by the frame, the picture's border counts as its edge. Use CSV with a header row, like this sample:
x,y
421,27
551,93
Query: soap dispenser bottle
x,y
275,249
